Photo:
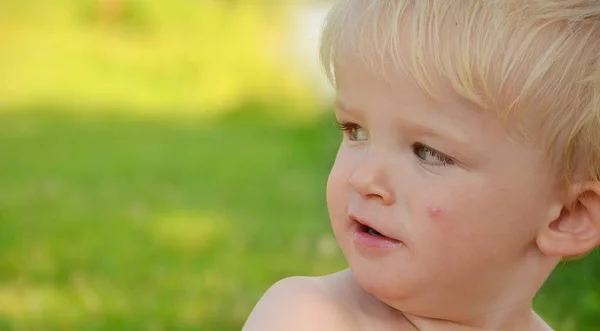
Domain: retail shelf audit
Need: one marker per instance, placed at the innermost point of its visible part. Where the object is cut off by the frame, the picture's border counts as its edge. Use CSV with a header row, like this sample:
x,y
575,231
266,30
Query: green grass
x,y
124,223
130,223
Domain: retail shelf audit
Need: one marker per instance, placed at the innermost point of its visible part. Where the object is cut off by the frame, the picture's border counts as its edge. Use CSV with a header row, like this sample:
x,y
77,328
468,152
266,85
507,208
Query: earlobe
x,y
576,230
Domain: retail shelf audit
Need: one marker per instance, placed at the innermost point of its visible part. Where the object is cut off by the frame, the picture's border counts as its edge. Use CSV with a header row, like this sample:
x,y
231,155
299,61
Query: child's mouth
x,y
367,236
370,231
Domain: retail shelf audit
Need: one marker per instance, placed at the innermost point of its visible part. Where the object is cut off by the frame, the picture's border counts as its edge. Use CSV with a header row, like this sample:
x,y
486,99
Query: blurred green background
x,y
162,163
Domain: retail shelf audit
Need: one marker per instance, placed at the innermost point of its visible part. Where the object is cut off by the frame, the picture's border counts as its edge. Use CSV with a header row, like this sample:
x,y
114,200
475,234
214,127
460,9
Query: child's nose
x,y
371,180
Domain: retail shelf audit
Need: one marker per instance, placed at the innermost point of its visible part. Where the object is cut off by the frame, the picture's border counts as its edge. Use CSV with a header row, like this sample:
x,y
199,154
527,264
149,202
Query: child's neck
x,y
517,318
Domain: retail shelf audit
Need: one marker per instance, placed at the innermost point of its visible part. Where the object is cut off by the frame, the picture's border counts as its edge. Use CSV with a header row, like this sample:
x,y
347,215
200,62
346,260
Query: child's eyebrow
x,y
439,131
339,105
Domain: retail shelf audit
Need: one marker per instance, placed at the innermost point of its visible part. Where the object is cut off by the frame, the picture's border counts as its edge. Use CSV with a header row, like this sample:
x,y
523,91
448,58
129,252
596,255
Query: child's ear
x,y
576,230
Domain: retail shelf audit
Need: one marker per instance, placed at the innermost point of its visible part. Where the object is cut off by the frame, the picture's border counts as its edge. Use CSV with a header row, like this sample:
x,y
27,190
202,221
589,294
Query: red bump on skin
x,y
434,212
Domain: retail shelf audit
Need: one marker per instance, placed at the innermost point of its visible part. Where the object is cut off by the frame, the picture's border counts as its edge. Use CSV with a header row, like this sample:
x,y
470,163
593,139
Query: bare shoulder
x,y
297,304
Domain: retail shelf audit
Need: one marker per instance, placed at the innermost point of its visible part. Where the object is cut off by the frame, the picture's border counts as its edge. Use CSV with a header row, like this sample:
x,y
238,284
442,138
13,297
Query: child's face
x,y
445,180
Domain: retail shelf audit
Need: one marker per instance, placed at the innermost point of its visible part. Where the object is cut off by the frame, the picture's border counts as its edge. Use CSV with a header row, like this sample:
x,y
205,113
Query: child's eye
x,y
431,156
353,131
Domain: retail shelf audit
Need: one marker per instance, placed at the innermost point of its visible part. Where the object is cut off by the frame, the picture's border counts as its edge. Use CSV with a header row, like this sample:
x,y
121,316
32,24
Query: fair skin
x,y
474,220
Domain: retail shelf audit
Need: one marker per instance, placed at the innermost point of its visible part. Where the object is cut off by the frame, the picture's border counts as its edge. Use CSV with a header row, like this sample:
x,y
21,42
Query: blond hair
x,y
519,57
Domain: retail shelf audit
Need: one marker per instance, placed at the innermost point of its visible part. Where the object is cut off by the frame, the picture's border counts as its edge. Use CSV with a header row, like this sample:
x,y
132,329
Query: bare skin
x,y
337,303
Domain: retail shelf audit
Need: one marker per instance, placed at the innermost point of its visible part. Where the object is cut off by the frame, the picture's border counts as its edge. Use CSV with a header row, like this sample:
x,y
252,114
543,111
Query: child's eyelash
x,y
352,131
347,126
421,151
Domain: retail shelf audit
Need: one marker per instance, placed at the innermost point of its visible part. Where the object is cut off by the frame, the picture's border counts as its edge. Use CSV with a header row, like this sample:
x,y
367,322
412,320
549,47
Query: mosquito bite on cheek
x,y
434,212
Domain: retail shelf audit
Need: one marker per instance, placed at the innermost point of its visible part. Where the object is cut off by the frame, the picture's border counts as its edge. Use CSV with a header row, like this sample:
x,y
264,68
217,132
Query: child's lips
x,y
367,235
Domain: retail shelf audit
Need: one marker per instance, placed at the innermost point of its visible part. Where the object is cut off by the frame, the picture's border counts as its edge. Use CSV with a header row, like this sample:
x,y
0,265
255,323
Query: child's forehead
x,y
355,78
411,43
451,55
496,54
405,64
399,103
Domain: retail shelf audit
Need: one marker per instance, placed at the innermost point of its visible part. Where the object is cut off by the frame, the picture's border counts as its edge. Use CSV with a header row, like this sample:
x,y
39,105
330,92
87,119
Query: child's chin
x,y
393,284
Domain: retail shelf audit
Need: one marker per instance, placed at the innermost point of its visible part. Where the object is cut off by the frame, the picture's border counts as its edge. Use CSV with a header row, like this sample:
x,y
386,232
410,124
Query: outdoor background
x,y
162,163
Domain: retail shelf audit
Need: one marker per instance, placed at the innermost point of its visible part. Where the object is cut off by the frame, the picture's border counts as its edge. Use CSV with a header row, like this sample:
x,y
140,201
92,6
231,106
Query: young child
x,y
469,167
